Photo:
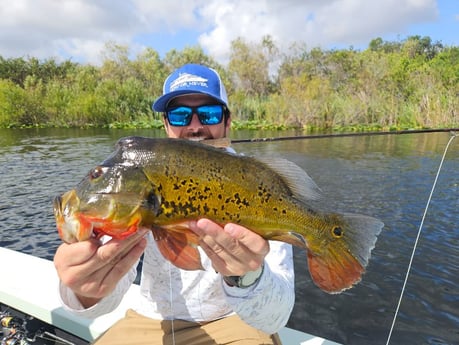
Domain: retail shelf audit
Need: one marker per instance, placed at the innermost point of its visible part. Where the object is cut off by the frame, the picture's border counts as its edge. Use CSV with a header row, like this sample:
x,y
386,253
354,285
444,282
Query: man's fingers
x,y
76,253
82,260
108,276
233,250
114,250
254,242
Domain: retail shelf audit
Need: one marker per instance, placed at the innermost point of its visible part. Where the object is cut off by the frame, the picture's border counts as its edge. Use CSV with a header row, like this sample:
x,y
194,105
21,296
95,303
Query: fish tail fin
x,y
363,232
340,263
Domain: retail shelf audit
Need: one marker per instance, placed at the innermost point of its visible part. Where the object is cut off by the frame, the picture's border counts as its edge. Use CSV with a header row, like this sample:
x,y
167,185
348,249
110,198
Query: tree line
x,y
410,83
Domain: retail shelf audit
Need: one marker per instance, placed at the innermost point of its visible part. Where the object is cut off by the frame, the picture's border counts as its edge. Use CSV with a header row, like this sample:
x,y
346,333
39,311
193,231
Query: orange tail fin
x,y
340,263
335,276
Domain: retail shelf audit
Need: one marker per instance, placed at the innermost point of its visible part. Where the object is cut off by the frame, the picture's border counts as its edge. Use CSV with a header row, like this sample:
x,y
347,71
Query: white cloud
x,y
79,29
169,15
48,28
321,23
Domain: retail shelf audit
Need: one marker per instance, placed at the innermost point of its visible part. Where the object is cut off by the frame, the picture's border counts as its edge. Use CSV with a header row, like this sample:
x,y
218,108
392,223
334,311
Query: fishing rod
x,y
339,135
16,329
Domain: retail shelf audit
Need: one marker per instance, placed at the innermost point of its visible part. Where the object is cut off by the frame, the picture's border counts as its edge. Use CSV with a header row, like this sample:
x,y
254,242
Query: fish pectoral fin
x,y
179,246
184,230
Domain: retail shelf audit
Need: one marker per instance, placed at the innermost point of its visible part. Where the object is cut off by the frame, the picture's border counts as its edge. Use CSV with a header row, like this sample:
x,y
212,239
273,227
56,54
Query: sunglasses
x,y
207,114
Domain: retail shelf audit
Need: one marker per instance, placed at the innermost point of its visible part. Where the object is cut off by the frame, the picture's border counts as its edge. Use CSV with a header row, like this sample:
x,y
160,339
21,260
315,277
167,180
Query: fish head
x,y
109,200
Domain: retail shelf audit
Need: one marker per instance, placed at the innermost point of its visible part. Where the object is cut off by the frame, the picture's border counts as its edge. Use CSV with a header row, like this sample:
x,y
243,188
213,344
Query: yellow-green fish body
x,y
164,183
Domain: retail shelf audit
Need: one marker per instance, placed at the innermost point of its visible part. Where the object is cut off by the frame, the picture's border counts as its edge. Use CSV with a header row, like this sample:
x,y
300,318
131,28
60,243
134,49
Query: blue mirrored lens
x,y
179,116
210,114
207,114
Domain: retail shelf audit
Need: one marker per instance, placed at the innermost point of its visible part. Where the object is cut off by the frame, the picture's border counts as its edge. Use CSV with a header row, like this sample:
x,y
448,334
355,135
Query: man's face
x,y
195,130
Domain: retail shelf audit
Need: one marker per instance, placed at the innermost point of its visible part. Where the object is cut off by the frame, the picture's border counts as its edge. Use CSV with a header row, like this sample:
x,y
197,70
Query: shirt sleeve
x,y
106,305
267,305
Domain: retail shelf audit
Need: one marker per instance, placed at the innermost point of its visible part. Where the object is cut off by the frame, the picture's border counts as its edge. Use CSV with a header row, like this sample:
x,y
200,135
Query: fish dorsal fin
x,y
298,181
219,143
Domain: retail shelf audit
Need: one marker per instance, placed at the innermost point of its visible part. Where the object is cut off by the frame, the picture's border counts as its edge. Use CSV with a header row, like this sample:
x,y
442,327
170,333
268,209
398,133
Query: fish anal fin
x,y
178,244
333,274
289,237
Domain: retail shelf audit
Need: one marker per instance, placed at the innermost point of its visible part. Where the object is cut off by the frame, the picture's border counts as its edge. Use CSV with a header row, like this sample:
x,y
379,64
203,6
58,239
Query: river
x,y
388,177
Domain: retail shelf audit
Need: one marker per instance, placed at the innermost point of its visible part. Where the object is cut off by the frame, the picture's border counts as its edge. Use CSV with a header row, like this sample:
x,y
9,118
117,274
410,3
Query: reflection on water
x,y
388,177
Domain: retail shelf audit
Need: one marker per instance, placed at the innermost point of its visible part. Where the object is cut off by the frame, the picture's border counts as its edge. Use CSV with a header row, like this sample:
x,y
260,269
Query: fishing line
x,y
171,304
453,136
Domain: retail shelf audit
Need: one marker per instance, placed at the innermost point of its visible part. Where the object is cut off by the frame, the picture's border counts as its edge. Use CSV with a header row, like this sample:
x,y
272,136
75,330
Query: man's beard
x,y
201,134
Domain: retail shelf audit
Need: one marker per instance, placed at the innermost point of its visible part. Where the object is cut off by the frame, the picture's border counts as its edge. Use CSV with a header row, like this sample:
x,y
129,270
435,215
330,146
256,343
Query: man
x,y
245,292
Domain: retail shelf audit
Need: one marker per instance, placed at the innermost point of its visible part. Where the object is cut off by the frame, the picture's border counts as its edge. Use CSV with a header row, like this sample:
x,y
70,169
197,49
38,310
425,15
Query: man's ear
x,y
228,125
166,124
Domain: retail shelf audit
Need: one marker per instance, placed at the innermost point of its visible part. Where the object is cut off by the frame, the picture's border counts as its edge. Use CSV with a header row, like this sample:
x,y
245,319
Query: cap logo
x,y
186,80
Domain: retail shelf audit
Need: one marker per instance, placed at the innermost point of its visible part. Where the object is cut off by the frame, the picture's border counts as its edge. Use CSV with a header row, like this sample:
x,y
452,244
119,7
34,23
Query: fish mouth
x,y
67,223
75,224
57,206
63,203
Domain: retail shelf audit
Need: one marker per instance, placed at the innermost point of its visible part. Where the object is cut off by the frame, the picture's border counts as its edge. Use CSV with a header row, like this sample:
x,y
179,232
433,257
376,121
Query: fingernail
x,y
202,224
193,225
143,231
229,229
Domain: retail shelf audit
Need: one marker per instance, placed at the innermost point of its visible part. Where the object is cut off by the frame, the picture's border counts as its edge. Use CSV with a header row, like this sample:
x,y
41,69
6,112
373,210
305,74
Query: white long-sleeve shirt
x,y
167,292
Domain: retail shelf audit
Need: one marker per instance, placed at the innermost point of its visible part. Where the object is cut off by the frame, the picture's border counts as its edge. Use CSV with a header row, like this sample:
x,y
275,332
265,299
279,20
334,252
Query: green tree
x,y
249,68
191,54
12,103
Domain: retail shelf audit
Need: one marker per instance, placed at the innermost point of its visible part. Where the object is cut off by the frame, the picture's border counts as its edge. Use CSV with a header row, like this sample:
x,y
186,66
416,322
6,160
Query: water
x,y
388,177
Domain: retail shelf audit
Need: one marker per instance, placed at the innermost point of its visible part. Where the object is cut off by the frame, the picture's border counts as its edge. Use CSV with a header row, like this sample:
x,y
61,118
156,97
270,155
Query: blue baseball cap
x,y
188,79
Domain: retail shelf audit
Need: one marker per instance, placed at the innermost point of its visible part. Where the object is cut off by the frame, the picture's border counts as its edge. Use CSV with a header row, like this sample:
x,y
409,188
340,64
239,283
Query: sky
x,y
78,30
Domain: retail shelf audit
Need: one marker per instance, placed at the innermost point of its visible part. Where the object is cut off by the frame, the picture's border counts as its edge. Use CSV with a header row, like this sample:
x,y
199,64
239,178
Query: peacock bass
x,y
162,184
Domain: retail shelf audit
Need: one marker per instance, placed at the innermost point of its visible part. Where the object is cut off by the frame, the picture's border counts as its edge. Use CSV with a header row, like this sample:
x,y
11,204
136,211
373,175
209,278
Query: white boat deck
x,y
30,284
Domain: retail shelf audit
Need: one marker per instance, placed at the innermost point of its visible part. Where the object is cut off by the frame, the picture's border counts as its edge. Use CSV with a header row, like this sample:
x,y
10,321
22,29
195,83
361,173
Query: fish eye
x,y
337,232
96,173
154,202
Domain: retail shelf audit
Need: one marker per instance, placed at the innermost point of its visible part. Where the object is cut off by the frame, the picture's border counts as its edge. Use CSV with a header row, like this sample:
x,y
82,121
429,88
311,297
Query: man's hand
x,y
233,249
92,269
